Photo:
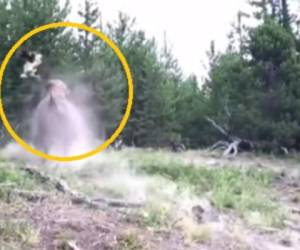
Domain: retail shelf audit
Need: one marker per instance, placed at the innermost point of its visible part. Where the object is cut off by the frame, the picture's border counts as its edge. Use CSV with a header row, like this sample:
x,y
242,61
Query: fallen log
x,y
29,195
118,203
78,198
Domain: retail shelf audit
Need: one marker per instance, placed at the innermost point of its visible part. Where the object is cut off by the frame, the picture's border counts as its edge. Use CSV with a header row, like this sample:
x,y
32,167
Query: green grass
x,y
194,232
156,216
17,235
12,177
11,174
246,191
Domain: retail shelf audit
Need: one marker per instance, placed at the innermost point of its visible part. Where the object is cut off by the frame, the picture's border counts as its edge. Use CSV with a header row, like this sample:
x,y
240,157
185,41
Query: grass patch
x,y
246,191
10,174
130,241
18,235
193,232
13,178
157,215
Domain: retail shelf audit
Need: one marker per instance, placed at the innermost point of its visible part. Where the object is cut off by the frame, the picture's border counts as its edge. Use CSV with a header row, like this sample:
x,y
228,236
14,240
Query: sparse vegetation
x,y
15,234
160,181
130,241
63,239
245,191
11,177
194,232
169,188
249,96
157,215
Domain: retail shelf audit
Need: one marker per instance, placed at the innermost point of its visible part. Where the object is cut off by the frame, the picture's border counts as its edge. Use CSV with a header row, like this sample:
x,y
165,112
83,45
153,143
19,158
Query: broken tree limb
x,y
232,149
29,195
218,127
284,150
232,144
76,197
118,203
219,144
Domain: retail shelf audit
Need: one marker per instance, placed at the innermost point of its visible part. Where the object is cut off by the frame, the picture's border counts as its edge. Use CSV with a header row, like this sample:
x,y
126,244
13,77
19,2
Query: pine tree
x,y
256,98
89,43
17,18
262,6
285,15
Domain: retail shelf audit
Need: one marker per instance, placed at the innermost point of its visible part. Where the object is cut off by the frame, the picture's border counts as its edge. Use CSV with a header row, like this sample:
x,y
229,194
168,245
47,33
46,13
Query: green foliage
x,y
244,191
251,91
15,177
156,216
17,18
152,121
253,95
271,42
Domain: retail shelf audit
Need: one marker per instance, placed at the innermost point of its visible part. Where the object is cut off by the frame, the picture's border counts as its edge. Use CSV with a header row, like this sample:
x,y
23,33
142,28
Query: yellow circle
x,y
125,65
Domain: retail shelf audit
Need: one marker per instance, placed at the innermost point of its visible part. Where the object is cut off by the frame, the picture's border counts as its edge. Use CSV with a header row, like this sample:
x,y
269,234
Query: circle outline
x,y
127,71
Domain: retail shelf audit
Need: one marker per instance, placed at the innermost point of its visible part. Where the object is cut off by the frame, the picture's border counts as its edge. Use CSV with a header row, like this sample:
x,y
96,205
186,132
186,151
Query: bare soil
x,y
67,226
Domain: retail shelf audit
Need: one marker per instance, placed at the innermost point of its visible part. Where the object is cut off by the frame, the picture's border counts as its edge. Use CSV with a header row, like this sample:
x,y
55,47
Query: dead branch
x,y
219,144
118,203
29,195
76,197
232,145
216,126
284,150
227,112
295,210
232,149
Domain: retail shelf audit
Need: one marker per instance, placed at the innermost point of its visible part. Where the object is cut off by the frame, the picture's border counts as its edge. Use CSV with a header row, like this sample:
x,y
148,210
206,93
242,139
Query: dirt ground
x,y
63,225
